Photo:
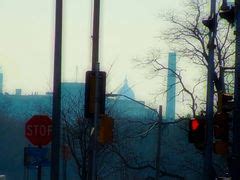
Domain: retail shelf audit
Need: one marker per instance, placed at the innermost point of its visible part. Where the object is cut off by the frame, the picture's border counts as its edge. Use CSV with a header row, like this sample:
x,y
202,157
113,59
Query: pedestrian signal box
x,y
225,102
106,127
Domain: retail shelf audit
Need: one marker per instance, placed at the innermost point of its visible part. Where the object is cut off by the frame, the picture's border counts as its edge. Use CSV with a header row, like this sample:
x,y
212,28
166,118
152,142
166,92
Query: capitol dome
x,y
126,90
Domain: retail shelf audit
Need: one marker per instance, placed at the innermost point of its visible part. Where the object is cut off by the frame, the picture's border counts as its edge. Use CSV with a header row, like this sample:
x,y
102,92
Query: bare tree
x,y
154,60
126,155
189,37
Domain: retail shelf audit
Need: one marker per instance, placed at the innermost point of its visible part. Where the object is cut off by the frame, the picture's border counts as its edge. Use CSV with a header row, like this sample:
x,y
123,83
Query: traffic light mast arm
x,y
118,95
154,110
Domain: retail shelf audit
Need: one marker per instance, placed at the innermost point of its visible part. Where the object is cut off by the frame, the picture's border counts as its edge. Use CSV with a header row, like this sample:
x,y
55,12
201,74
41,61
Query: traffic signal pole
x,y
236,115
95,68
39,169
56,106
95,35
158,155
208,169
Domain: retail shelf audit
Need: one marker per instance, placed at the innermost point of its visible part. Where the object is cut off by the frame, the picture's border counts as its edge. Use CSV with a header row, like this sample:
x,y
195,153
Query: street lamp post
x,y
159,115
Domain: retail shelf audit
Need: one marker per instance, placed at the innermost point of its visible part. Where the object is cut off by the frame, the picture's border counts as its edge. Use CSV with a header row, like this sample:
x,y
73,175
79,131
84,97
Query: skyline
x,y
26,55
34,38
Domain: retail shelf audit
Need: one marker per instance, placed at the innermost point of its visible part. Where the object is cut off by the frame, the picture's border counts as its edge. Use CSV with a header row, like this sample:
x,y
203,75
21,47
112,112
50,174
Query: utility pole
x,y
95,68
64,158
236,114
56,106
39,169
95,35
158,155
208,169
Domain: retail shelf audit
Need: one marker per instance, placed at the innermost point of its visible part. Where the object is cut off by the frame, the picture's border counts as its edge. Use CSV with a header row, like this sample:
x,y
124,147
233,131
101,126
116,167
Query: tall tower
x,y
171,86
1,81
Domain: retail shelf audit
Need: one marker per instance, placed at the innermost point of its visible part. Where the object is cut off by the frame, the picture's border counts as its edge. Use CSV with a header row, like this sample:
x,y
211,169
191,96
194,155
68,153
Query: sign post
x,y
38,130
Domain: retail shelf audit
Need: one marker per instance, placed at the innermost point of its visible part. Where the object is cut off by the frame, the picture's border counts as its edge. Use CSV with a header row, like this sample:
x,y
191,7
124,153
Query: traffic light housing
x,y
228,13
220,147
197,132
90,93
105,134
221,123
220,126
209,23
225,102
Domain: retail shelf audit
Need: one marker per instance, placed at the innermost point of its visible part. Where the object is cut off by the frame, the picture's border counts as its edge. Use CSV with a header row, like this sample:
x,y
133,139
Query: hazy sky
x,y
128,30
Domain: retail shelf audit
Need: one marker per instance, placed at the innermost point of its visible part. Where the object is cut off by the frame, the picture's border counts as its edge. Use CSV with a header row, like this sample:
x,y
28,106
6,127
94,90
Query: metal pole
x,y
96,122
95,35
56,106
236,114
208,169
158,144
39,169
64,169
95,68
26,174
64,158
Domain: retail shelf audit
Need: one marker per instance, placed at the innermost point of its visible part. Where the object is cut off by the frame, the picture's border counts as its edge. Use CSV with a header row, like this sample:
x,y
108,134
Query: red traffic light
x,y
196,133
194,124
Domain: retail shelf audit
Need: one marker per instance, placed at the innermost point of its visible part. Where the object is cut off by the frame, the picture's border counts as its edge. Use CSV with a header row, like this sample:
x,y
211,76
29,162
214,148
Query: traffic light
x,y
209,23
221,133
228,13
221,123
220,147
197,132
106,126
90,92
220,126
225,102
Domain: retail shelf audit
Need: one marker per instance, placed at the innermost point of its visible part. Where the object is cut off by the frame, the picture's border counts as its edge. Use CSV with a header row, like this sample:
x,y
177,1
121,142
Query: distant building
x,y
171,87
22,107
73,89
129,119
126,90
18,92
123,105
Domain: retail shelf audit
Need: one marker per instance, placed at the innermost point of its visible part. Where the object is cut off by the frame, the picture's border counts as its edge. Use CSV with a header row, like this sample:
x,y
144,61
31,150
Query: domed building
x,y
124,104
126,90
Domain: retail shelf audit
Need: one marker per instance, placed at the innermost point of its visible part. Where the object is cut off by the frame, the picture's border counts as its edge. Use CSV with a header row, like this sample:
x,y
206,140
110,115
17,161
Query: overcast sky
x,y
128,29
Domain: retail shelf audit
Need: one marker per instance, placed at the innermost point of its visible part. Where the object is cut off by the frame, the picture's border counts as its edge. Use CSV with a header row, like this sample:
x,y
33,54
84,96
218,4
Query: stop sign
x,y
38,130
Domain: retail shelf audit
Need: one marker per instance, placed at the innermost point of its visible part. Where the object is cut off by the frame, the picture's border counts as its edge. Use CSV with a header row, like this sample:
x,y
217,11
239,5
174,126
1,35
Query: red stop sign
x,y
38,130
